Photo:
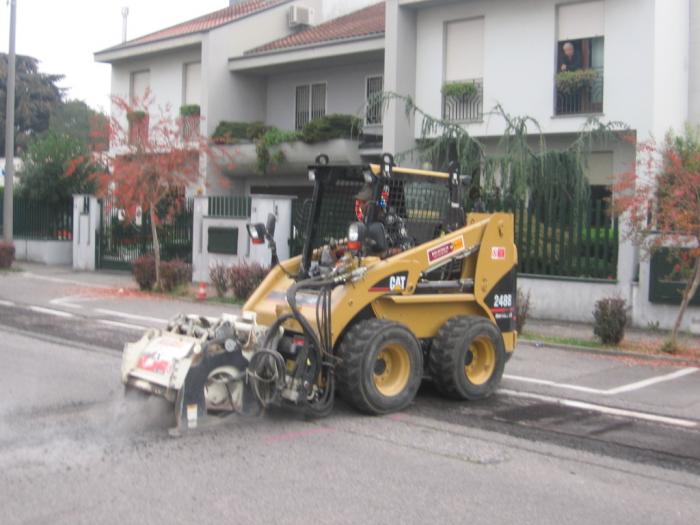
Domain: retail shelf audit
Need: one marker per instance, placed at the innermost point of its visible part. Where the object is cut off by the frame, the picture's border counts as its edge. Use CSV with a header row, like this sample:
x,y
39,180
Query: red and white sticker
x,y
498,253
446,248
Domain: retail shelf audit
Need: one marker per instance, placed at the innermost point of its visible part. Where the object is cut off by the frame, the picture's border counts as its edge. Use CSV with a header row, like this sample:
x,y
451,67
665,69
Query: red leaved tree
x,y
152,160
662,201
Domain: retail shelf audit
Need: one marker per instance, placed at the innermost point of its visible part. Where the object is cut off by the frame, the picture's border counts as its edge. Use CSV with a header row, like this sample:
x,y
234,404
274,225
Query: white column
x,y
86,221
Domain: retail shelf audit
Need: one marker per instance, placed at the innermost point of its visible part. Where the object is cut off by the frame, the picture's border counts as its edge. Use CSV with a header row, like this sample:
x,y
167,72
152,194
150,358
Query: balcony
x,y
463,101
579,92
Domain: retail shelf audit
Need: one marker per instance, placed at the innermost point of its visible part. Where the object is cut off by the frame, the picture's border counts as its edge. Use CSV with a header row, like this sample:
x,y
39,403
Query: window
x,y
310,104
374,88
191,83
599,172
580,55
140,84
464,70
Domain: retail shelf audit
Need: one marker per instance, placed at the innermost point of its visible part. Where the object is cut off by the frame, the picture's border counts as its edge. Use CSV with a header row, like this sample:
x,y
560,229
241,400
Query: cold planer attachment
x,y
395,282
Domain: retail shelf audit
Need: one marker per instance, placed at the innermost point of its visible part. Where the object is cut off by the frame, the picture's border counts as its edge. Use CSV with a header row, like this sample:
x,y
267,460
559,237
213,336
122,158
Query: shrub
x,y
569,82
334,126
174,273
7,254
459,89
244,278
232,132
189,110
522,309
144,270
218,274
610,316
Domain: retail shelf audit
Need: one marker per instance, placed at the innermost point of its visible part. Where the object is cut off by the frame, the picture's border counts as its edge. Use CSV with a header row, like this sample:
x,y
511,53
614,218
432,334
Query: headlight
x,y
312,175
356,235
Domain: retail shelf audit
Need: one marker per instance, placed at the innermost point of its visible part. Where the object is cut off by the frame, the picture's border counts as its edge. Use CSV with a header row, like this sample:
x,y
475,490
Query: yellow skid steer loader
x,y
395,283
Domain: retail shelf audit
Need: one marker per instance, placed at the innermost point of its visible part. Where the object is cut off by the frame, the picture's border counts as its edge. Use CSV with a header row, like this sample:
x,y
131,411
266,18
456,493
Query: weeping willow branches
x,y
518,164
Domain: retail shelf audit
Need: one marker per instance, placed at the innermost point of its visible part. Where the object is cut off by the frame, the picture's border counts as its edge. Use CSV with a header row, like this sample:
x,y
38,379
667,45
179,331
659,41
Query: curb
x,y
606,352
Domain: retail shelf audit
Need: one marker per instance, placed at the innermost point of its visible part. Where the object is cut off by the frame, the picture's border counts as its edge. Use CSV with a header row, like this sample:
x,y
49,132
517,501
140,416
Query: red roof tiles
x,y
207,22
365,22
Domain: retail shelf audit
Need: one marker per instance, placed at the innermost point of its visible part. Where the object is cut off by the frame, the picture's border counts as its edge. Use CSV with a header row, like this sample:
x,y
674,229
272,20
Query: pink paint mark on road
x,y
398,417
291,436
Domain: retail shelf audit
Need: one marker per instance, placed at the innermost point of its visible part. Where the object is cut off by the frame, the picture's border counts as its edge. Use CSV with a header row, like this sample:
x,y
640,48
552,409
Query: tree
x,y
45,163
36,96
77,120
148,166
661,199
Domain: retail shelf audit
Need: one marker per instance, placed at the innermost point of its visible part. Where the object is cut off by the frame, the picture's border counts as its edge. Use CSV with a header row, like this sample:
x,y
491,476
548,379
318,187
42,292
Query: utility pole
x,y
10,129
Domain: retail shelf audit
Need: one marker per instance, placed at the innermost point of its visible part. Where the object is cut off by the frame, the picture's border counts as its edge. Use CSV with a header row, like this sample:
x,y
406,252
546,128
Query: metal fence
x,y
39,220
228,206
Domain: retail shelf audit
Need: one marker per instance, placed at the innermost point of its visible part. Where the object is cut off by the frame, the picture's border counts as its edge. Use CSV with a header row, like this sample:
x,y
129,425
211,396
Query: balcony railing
x,y
581,97
467,107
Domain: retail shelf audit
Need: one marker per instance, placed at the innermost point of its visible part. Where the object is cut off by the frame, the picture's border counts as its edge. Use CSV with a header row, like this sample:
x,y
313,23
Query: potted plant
x,y
459,89
571,82
190,119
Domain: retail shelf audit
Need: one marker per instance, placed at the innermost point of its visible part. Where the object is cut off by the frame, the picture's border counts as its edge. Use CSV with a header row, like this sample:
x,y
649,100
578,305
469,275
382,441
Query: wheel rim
x,y
219,388
392,370
480,361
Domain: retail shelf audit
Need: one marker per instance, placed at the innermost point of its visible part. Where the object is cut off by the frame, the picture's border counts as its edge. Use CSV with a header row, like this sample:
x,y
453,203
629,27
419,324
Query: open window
x,y
579,75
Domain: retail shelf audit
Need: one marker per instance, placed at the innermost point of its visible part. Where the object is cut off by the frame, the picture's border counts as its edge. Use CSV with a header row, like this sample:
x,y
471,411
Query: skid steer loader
x,y
395,283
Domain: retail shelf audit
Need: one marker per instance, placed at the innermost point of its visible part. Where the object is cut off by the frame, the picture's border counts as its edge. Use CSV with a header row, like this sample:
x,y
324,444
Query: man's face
x,y
569,50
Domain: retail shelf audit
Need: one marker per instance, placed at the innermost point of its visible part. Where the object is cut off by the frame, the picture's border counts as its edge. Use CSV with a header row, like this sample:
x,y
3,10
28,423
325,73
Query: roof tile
x,y
364,22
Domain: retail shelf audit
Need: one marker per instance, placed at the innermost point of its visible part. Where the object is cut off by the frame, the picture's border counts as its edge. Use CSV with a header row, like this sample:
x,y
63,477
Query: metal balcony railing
x,y
466,108
585,99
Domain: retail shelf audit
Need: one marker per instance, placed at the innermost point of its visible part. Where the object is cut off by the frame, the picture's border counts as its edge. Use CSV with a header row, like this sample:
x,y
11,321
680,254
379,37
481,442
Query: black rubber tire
x,y
449,353
358,353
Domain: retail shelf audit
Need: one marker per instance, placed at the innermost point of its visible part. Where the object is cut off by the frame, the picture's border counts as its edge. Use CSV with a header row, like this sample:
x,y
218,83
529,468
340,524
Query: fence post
x,y
86,221
200,270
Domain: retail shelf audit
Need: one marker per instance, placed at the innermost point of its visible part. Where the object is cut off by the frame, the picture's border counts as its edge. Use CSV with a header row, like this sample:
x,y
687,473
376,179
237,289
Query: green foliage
x,y
174,274
78,120
136,115
459,89
7,254
36,96
272,138
233,132
610,315
46,164
334,126
189,110
570,82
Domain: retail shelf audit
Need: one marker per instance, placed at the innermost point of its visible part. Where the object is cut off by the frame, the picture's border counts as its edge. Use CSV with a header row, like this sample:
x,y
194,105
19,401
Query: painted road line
x,y
651,381
65,301
554,384
572,403
50,311
65,281
122,325
6,303
131,316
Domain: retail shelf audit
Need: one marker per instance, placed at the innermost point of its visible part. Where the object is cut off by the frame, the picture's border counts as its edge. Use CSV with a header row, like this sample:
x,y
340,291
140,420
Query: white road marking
x,y
645,416
131,316
64,281
652,381
122,325
6,303
554,384
611,391
64,301
49,311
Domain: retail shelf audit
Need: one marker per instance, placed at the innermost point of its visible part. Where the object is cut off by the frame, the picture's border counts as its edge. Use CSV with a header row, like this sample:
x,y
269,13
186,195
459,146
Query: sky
x,y
64,35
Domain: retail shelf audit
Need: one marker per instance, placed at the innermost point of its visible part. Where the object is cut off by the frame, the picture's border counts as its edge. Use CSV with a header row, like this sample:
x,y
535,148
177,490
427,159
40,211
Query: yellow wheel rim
x,y
480,361
392,370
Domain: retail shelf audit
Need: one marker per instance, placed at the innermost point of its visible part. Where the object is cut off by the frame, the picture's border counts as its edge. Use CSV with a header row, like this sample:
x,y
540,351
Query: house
x,y
313,58
645,74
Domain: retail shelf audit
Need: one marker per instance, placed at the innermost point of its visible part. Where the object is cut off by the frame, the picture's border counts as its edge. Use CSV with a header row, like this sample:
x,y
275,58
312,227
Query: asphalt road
x,y
73,449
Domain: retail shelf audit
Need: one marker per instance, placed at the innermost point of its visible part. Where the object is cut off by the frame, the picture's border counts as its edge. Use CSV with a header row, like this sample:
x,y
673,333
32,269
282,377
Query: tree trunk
x,y
688,294
156,245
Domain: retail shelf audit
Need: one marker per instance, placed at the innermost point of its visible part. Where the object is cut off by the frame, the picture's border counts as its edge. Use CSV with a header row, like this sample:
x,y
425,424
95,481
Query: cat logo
x,y
397,283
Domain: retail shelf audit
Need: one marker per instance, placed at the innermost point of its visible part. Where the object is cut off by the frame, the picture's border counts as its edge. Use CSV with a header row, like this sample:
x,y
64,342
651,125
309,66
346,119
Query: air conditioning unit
x,y
299,15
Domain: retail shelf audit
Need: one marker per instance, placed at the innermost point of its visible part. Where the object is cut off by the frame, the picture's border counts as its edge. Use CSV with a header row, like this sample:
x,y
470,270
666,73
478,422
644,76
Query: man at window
x,y
570,60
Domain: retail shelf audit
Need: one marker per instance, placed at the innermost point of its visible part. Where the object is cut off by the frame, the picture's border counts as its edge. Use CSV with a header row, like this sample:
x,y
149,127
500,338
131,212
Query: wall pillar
x,y
86,221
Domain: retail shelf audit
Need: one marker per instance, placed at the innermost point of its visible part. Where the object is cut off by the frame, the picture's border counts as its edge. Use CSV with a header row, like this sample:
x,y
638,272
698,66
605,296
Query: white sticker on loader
x,y
498,253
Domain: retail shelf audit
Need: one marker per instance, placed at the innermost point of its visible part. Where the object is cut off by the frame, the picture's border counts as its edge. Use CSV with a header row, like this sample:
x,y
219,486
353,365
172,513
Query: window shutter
x,y
581,20
193,77
600,169
375,85
302,107
318,101
464,50
140,81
